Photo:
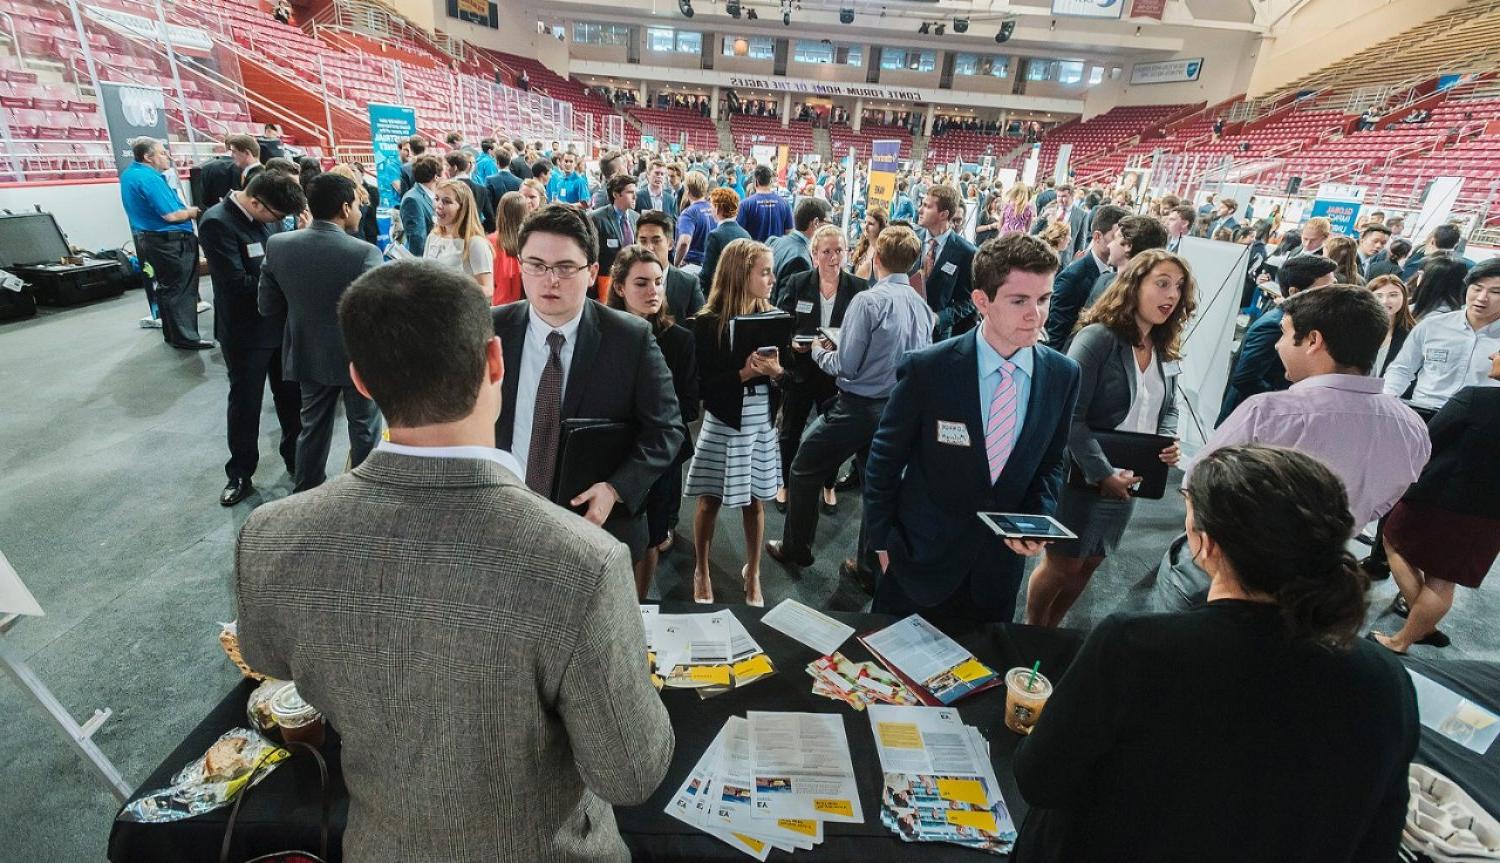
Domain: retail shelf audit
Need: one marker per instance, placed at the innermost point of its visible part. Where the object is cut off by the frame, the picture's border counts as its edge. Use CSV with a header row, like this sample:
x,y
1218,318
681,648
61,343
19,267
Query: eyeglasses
x,y
275,214
564,270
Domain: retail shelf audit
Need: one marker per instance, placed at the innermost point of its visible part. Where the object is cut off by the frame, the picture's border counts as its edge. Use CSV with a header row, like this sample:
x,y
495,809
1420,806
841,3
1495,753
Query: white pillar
x,y
645,94
786,109
713,103
859,114
927,122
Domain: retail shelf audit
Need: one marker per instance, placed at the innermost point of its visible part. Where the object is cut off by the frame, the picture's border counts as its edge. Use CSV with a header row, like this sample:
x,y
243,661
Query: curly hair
x,y
1116,307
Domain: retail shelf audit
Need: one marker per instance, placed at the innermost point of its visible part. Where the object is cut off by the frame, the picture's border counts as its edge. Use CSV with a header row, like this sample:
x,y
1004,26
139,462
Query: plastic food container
x,y
299,721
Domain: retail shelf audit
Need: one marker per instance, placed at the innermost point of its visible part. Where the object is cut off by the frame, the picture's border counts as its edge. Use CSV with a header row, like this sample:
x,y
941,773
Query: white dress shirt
x,y
488,453
1443,354
533,359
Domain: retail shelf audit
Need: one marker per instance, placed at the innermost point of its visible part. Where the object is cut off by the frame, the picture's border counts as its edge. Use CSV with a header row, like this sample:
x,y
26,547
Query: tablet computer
x,y
1015,525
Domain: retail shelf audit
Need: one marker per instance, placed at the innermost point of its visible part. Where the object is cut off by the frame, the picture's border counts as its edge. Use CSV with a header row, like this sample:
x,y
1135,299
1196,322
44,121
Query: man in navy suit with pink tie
x,y
977,423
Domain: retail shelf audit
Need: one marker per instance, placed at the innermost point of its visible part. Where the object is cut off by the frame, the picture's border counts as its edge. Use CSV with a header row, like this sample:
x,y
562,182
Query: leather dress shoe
x,y
197,345
1377,570
865,580
236,491
780,555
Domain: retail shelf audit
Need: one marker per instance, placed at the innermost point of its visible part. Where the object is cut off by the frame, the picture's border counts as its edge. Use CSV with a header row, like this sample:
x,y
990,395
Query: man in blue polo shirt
x,y
164,238
765,215
565,186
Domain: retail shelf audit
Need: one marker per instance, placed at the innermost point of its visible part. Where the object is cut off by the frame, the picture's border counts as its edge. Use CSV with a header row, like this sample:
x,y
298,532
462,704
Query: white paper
x,y
649,616
255,250
917,648
14,597
802,767
923,740
717,638
730,803
808,625
1457,718
398,252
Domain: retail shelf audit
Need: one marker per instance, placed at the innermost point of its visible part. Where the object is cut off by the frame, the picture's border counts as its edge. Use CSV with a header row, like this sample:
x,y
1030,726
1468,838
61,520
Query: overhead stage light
x,y
960,25
750,15
925,29
1007,27
846,15
685,7
733,8
940,29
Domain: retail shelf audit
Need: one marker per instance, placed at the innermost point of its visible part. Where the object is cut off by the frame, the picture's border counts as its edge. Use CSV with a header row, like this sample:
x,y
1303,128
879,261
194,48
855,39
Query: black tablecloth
x,y
282,811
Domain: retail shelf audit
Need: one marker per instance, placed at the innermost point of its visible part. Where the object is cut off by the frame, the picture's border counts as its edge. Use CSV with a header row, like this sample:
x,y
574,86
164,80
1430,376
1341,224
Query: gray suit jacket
x,y
1106,388
607,225
304,275
490,683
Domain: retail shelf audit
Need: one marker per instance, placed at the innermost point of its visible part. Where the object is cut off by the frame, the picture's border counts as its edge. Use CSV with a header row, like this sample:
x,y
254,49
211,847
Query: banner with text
x,y
1089,8
1339,204
389,126
1148,8
885,161
1166,71
1060,167
132,111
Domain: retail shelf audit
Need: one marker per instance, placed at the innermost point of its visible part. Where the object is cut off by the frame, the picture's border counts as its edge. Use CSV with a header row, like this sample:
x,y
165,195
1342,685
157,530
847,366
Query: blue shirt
x,y
695,222
568,188
148,198
484,167
764,215
881,326
1023,361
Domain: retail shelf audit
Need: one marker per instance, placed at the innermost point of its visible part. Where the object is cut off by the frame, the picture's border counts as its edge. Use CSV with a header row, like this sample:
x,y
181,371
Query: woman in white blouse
x,y
457,240
1127,349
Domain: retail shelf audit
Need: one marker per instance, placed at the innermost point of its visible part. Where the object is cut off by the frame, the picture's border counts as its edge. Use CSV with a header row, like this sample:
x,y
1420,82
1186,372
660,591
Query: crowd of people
x,y
956,375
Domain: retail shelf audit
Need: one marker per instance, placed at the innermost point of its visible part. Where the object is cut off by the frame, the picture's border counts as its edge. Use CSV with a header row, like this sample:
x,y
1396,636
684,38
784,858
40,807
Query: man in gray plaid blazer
x,y
478,648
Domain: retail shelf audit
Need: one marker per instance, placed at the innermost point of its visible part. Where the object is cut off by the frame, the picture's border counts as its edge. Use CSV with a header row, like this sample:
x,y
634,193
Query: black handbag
x,y
285,856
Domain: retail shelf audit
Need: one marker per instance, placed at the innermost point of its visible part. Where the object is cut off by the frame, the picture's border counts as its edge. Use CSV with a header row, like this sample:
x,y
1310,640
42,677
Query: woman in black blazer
x,y
1446,529
1391,292
1256,728
637,286
816,298
736,462
1127,354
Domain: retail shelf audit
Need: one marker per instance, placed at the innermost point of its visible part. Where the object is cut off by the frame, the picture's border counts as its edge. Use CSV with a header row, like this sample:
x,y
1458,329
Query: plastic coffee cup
x,y
299,721
1023,704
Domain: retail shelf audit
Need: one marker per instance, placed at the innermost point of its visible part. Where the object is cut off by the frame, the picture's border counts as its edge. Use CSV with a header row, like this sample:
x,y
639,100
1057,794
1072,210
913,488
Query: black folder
x,y
589,451
771,329
1136,452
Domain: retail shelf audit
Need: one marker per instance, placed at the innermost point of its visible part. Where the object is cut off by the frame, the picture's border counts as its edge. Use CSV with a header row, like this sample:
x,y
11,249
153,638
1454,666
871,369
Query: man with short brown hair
x,y
943,269
962,434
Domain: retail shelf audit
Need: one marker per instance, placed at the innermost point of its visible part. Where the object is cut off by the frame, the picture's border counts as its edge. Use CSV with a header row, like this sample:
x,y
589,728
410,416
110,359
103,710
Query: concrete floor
x,y
111,454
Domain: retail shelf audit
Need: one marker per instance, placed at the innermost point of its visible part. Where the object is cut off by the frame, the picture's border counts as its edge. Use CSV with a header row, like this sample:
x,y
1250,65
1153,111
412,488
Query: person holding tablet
x,y
974,424
1127,353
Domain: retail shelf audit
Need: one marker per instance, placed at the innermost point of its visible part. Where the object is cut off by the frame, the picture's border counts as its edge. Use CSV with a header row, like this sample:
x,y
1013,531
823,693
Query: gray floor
x,y
111,454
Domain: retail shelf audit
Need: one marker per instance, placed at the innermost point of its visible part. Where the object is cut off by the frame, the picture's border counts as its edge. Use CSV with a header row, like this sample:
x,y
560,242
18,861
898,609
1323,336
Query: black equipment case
x,y
32,247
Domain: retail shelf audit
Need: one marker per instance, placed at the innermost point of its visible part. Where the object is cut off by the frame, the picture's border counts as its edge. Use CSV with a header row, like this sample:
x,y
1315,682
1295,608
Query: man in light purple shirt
x,y
1333,411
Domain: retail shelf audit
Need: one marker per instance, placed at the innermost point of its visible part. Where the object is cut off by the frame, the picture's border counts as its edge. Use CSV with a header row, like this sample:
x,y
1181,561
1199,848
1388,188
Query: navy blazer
x,y
922,495
234,245
1257,368
948,292
607,226
667,203
1070,290
499,183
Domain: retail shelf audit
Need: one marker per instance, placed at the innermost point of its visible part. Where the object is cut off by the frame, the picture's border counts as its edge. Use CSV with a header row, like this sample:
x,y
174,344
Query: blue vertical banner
x,y
1340,205
389,126
885,161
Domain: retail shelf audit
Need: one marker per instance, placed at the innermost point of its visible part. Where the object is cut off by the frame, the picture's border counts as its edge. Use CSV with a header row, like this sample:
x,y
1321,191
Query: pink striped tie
x,y
1000,434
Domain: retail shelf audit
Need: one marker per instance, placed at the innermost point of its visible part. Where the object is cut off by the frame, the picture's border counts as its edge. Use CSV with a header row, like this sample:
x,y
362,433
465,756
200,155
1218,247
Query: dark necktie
x,y
546,420
627,236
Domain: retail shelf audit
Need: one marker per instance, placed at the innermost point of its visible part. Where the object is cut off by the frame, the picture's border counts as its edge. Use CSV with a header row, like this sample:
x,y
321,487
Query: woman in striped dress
x,y
737,462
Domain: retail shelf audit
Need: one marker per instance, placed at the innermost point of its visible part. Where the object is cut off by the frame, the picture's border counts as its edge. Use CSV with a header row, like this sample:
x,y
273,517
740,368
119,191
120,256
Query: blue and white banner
x,y
1089,8
1339,204
1166,71
389,126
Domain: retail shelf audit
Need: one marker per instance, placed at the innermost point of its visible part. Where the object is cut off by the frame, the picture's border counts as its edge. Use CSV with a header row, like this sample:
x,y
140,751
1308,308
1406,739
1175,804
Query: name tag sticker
x,y
953,434
255,250
1168,369
1435,355
950,268
612,243
804,307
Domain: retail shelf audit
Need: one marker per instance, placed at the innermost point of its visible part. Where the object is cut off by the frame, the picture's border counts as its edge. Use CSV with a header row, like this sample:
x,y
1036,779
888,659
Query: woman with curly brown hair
x,y
1127,350
862,262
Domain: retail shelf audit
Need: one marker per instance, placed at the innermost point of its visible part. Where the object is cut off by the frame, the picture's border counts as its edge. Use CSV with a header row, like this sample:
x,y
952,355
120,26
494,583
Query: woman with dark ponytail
x,y
1263,704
